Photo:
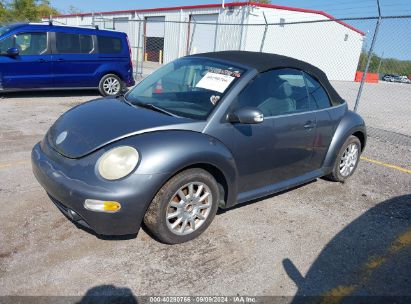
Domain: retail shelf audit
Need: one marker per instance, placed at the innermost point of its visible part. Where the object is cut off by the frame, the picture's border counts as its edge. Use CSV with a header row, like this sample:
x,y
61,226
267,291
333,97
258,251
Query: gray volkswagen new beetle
x,y
205,131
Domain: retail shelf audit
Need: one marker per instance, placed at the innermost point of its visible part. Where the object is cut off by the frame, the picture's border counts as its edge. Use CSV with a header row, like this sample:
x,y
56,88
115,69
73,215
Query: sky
x,y
398,45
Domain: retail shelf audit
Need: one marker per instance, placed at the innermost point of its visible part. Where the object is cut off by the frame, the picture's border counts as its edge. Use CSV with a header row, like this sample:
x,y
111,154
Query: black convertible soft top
x,y
263,62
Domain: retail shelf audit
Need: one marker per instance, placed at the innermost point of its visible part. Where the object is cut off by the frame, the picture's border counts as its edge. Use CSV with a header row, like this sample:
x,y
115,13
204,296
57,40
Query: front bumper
x,y
69,182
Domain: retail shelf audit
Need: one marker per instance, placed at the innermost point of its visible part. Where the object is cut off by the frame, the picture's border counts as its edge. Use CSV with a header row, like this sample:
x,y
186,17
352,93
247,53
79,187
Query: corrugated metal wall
x,y
329,45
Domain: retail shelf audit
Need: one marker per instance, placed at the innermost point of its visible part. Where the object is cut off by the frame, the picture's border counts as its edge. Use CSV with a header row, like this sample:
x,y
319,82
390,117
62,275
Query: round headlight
x,y
118,162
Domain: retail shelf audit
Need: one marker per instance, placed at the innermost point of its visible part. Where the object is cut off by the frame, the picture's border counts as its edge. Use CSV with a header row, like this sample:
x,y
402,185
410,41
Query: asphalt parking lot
x,y
322,238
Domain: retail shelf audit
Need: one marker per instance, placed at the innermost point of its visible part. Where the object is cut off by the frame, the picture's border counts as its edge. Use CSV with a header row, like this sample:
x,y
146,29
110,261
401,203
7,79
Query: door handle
x,y
310,125
42,60
60,59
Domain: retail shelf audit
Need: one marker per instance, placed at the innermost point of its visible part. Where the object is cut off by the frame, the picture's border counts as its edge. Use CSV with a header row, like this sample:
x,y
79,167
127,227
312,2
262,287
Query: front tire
x,y
184,207
347,160
110,85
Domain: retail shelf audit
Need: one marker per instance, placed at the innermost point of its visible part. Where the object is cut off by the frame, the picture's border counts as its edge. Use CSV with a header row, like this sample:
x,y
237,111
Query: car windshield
x,y
187,87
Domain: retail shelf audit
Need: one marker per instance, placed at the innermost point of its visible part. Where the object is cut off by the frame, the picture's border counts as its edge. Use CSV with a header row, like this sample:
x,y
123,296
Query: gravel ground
x,y
322,238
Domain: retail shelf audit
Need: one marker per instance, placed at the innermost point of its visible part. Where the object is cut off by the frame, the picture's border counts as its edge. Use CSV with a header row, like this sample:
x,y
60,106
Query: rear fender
x,y
349,124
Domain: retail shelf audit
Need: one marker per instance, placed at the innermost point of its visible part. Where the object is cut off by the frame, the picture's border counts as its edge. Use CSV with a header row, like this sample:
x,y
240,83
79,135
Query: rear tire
x,y
111,85
184,207
347,160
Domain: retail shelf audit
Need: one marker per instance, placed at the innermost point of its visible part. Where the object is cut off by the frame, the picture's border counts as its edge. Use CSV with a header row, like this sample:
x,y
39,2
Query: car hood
x,y
94,124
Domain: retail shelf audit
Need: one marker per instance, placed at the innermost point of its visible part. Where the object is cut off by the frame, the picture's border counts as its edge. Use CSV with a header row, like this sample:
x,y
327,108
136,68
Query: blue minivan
x,y
46,56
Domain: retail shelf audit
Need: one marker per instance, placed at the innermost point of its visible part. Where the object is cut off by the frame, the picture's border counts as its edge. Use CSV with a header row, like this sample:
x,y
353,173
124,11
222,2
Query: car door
x,y
280,148
75,61
327,118
31,68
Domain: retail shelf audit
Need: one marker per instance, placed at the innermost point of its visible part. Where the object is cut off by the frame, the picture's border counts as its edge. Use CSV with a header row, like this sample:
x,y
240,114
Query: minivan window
x,y
29,44
73,43
5,44
109,45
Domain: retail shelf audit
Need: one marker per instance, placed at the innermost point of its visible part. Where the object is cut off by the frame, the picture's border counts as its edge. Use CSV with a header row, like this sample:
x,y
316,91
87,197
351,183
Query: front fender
x,y
349,124
168,152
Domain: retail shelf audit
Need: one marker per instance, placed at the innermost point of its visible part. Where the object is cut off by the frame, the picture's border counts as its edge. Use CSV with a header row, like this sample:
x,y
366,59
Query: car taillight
x,y
129,49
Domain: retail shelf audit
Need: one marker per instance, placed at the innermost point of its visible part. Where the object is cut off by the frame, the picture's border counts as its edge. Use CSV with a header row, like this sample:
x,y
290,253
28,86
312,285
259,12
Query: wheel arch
x,y
173,151
350,124
104,73
361,136
218,175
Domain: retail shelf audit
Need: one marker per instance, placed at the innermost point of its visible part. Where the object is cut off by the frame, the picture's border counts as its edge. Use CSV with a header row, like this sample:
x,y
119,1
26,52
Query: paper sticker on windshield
x,y
225,72
215,82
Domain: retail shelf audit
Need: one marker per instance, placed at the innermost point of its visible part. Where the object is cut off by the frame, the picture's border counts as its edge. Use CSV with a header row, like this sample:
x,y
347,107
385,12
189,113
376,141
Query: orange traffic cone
x,y
159,87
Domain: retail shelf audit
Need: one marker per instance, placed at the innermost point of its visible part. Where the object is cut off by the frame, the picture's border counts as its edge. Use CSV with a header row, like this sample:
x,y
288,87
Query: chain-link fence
x,y
382,96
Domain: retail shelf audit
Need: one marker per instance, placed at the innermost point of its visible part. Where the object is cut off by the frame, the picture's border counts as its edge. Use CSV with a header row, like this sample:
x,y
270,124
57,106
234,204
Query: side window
x,y
318,96
276,92
109,45
5,44
73,43
28,44
31,43
86,44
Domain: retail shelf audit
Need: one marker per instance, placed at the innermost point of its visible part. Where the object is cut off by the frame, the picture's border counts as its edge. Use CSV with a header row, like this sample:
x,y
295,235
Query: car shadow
x,y
50,93
369,261
105,294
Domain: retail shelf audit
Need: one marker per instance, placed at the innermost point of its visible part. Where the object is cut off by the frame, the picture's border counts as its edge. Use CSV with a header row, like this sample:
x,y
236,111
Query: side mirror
x,y
13,52
246,115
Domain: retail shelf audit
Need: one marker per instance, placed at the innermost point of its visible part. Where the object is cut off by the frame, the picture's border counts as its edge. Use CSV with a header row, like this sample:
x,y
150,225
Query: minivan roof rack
x,y
52,22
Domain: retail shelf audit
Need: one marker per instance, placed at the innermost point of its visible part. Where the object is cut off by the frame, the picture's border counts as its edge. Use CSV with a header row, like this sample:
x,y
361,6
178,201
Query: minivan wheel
x,y
347,160
184,207
110,85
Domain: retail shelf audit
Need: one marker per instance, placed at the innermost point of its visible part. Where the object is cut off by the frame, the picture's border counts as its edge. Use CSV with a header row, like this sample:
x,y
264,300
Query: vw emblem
x,y
62,136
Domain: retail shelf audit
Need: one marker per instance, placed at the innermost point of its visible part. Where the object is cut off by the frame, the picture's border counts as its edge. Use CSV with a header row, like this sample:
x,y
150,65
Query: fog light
x,y
102,206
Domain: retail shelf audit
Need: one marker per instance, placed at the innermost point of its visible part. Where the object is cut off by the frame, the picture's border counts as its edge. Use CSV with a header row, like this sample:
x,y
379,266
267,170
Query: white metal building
x,y
164,34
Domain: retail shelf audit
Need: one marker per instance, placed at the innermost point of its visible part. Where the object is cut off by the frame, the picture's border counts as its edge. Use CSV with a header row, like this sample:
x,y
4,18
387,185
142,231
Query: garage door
x,y
155,26
203,35
154,40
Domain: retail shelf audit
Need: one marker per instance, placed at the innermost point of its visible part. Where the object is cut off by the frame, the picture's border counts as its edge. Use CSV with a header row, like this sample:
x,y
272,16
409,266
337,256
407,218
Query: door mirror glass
x,y
13,52
246,115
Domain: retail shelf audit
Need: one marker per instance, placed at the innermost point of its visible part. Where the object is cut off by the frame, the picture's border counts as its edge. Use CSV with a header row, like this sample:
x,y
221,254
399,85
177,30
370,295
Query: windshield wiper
x,y
154,108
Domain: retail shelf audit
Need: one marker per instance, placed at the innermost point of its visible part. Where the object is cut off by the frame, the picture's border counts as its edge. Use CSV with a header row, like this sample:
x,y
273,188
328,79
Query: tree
x,y
388,65
25,10
44,9
4,12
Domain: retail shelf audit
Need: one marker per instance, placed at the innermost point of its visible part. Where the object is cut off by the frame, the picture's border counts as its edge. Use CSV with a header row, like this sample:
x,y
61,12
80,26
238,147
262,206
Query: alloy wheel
x,y
349,160
189,208
111,86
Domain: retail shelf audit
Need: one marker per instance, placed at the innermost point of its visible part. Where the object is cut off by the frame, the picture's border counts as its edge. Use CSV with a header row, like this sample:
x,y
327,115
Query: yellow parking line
x,y
13,164
373,161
